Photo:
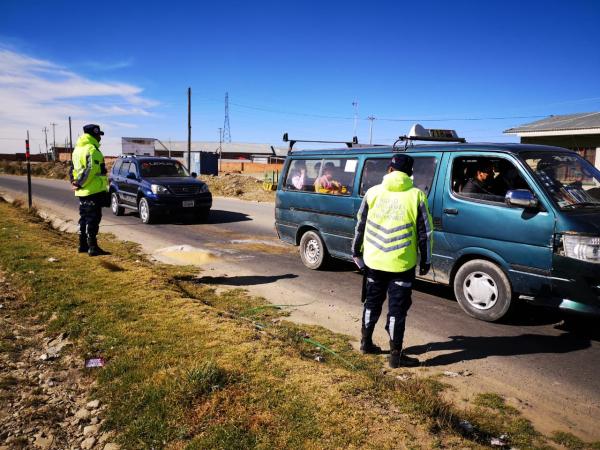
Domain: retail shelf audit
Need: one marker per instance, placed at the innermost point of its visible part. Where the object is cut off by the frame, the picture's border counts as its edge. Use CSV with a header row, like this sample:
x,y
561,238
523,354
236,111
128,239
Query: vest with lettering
x,y
390,240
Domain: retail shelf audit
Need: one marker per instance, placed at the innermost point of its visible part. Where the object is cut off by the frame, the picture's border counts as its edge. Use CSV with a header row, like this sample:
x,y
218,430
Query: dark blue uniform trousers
x,y
398,287
90,214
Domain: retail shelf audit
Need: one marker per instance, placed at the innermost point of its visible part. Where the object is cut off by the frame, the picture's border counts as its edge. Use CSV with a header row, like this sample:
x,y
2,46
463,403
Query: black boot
x,y
83,243
366,343
399,359
94,249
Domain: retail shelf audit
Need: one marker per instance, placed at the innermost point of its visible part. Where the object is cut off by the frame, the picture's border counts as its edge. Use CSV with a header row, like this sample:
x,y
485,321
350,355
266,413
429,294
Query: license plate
x,y
188,204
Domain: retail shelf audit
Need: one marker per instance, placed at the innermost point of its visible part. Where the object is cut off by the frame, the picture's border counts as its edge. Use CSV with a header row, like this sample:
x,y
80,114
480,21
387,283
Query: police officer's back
x,y
88,180
393,222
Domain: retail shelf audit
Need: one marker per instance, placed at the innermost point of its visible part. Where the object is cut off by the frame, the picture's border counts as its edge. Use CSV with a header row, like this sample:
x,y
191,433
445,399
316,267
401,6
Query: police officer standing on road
x,y
393,221
88,180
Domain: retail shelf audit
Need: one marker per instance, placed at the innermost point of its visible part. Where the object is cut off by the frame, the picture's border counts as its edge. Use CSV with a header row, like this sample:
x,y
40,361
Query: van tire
x,y
483,290
313,252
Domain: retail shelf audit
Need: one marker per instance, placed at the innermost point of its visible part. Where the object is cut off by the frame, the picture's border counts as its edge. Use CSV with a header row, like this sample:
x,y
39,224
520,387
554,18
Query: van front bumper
x,y
575,287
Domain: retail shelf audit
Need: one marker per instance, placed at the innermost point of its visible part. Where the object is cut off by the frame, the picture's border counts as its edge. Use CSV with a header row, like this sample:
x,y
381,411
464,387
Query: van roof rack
x,y
293,142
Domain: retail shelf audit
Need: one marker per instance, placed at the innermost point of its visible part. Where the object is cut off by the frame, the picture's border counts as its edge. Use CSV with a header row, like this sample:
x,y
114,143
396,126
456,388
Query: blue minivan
x,y
532,231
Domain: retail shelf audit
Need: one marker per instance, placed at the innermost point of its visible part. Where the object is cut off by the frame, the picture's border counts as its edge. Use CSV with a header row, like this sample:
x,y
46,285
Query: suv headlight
x,y
584,248
204,188
158,189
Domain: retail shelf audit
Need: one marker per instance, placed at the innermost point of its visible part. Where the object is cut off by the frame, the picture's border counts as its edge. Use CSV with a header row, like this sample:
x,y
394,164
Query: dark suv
x,y
154,186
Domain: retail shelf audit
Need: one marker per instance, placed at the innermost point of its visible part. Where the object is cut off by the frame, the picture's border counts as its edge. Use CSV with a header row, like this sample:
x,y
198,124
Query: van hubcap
x,y
312,251
480,290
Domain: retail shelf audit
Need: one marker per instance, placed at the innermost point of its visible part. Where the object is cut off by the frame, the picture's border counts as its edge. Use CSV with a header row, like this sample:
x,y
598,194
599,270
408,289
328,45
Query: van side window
x,y
337,176
375,169
302,174
485,178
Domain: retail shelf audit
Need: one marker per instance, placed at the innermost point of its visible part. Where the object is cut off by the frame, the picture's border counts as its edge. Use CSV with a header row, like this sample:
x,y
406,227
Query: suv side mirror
x,y
521,198
131,176
194,175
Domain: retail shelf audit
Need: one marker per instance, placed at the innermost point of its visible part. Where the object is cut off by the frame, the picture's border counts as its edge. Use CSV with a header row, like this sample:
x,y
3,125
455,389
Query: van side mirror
x,y
194,175
521,198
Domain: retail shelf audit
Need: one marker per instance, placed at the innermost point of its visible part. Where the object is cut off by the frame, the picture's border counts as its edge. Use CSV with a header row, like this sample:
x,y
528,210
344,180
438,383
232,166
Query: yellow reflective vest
x,y
394,224
88,169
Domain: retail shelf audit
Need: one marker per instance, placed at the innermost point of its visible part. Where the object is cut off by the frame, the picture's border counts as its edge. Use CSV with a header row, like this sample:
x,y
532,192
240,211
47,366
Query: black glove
x,y
424,268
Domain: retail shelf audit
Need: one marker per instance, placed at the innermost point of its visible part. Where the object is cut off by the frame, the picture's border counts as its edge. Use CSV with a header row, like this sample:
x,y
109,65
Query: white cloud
x,y
36,92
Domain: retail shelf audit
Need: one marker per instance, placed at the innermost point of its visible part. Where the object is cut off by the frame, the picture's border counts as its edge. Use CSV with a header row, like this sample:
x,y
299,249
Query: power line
x,y
226,129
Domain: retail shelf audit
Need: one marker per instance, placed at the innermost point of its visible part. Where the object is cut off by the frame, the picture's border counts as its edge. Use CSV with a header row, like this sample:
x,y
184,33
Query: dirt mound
x,y
236,185
57,170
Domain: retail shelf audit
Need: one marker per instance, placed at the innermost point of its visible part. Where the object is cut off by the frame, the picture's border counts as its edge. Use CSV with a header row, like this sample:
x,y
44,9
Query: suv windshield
x,y
571,180
156,169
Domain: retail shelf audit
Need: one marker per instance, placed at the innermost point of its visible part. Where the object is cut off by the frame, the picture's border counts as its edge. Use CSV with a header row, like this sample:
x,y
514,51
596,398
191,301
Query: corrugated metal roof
x,y
566,122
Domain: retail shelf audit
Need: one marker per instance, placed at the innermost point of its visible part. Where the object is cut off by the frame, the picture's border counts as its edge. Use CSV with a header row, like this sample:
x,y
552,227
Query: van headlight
x,y
584,248
158,189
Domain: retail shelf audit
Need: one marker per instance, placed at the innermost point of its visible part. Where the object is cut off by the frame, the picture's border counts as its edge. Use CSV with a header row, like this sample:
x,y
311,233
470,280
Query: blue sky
x,y
293,66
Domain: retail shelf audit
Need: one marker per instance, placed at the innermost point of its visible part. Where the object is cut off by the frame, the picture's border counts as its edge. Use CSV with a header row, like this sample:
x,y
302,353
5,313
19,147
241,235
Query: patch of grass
x,y
568,440
190,368
494,401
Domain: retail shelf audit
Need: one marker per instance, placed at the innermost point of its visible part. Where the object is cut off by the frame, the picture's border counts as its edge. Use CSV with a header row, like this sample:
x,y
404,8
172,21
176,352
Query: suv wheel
x,y
117,210
146,213
483,290
313,252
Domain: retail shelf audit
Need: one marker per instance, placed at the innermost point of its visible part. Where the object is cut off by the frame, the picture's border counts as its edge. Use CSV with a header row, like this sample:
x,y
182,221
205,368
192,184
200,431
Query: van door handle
x,y
451,211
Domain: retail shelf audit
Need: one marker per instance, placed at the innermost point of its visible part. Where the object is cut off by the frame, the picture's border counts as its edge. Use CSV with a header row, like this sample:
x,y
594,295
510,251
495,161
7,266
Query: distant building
x,y
234,151
579,132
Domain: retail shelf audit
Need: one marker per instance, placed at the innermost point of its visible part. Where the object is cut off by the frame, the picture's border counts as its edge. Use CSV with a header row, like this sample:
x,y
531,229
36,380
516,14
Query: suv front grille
x,y
184,189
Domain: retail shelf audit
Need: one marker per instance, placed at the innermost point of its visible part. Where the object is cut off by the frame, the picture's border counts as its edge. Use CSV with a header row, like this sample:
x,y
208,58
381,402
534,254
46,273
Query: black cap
x,y
402,163
93,129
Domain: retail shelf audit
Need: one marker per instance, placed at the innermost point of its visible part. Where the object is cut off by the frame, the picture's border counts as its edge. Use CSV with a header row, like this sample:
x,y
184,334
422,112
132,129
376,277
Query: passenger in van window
x,y
393,223
299,175
325,184
480,183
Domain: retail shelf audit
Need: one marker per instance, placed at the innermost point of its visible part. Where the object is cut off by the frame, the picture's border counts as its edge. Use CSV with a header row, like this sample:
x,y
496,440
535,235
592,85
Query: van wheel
x,y
312,250
483,290
146,213
114,205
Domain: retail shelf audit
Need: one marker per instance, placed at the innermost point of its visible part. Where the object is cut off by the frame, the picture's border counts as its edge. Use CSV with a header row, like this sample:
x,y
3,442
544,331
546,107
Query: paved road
x,y
548,370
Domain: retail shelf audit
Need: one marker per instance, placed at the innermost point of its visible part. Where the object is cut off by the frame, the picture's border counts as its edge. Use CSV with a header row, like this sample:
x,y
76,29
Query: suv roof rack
x,y
292,142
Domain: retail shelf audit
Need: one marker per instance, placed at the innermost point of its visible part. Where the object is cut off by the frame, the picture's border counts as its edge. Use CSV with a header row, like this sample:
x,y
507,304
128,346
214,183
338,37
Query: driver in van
x,y
325,184
480,183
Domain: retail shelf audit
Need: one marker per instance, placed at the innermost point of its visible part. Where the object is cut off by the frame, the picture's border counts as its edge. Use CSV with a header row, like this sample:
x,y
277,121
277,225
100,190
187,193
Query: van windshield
x,y
156,169
571,180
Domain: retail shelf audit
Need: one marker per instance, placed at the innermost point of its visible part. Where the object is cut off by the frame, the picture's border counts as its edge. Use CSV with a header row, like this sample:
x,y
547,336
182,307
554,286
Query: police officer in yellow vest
x,y
88,180
393,222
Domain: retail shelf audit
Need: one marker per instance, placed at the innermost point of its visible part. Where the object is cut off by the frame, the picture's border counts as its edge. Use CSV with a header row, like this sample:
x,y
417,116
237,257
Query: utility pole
x,y
371,119
53,125
220,147
70,136
190,129
45,130
355,106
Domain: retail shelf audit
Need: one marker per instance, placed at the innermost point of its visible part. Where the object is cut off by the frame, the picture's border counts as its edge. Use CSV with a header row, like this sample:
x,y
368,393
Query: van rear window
x,y
334,176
